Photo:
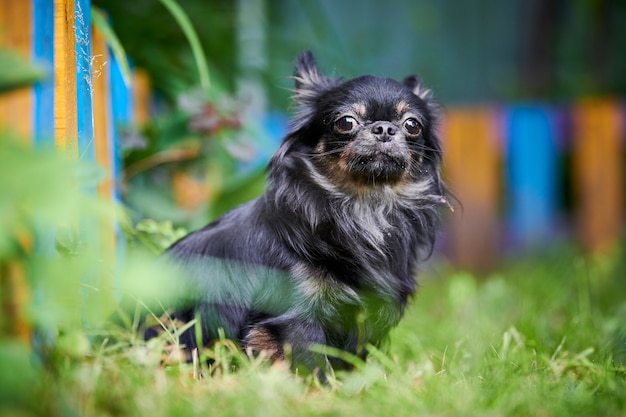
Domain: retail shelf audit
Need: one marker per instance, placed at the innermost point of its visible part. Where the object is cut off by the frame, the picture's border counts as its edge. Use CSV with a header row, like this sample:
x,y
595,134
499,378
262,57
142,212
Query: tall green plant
x,y
16,72
100,21
198,53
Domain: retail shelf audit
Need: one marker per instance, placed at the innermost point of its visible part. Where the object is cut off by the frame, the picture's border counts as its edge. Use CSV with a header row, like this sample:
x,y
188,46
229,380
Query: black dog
x,y
328,254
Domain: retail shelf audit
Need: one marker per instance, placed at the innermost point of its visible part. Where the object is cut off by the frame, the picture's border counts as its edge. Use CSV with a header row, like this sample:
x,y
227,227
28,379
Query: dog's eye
x,y
345,125
412,127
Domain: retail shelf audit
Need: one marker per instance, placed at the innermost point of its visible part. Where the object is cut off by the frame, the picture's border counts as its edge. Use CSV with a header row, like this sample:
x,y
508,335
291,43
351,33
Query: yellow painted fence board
x,y
65,112
599,172
15,34
472,170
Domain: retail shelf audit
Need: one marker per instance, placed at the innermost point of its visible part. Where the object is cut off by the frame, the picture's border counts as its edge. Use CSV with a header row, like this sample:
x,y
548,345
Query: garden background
x,y
124,124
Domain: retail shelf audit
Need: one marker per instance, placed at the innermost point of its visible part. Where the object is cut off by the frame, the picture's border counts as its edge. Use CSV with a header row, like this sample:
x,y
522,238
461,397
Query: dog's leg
x,y
289,339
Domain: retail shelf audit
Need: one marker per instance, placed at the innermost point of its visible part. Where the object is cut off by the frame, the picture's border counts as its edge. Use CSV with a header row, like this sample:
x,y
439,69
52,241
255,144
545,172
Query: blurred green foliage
x,y
16,71
48,228
57,277
196,158
470,51
194,162
157,237
155,42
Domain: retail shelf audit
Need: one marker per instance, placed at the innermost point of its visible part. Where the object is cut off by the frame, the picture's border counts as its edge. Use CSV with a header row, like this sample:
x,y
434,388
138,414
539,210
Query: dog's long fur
x,y
328,255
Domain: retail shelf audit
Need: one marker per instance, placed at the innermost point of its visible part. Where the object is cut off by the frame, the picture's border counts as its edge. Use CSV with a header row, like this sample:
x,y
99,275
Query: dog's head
x,y
367,132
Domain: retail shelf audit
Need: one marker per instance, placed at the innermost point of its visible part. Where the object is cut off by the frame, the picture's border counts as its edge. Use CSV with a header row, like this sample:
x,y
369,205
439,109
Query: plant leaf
x,y
100,21
16,71
196,47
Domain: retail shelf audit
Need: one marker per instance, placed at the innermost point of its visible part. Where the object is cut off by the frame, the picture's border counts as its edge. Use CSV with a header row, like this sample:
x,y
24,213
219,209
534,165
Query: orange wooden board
x,y
65,114
472,170
599,173
16,35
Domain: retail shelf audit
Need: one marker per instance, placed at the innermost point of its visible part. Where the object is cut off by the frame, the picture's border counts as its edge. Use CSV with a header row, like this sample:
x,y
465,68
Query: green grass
x,y
544,336
541,337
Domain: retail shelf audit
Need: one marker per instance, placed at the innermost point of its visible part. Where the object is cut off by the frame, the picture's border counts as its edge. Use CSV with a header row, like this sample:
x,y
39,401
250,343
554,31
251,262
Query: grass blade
x,y
196,48
100,21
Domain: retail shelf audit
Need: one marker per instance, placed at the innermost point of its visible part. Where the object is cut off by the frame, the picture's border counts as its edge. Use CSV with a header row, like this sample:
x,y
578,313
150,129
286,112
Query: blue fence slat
x,y
121,115
43,54
84,85
89,227
531,173
43,102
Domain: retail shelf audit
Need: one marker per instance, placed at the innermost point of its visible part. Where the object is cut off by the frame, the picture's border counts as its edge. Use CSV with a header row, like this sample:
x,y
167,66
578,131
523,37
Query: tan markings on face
x,y
335,170
402,107
336,167
360,109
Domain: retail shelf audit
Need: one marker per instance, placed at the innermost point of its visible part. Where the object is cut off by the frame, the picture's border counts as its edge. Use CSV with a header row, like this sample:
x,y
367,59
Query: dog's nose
x,y
384,131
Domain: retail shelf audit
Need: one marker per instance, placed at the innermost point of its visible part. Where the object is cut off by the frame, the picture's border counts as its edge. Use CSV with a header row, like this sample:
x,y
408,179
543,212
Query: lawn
x,y
541,337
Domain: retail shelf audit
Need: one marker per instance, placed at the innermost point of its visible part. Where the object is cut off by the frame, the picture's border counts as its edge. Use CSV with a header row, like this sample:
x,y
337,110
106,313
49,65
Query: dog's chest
x,y
369,310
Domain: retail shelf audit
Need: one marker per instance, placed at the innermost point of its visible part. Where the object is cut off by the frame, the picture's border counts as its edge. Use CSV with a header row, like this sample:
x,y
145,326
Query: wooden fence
x,y
529,175
79,108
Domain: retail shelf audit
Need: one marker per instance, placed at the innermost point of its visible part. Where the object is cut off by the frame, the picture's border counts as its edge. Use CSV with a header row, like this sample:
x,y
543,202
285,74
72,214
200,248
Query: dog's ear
x,y
415,84
424,93
309,80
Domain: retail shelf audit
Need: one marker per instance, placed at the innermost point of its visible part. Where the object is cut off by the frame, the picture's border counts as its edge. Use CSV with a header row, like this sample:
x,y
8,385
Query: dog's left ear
x,y
310,82
415,84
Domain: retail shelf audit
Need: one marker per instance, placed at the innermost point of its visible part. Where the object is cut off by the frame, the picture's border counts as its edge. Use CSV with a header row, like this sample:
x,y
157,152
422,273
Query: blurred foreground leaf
x,y
16,71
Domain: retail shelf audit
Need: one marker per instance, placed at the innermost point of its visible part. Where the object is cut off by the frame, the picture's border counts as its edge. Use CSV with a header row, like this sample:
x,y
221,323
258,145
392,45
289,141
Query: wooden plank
x,y
15,297
16,27
104,150
472,170
102,114
65,107
141,97
65,104
16,34
91,279
599,173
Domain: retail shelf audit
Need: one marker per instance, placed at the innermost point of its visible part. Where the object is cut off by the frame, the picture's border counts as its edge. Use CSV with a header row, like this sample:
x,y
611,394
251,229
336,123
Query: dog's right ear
x,y
418,88
310,82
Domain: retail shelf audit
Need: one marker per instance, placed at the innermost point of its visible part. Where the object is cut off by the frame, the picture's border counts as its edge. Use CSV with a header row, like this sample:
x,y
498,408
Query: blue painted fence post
x,y
43,54
84,83
91,281
121,116
43,94
121,113
531,173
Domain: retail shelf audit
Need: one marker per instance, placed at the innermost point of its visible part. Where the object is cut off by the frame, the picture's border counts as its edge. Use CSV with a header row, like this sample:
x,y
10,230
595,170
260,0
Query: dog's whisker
x,y
326,153
421,147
